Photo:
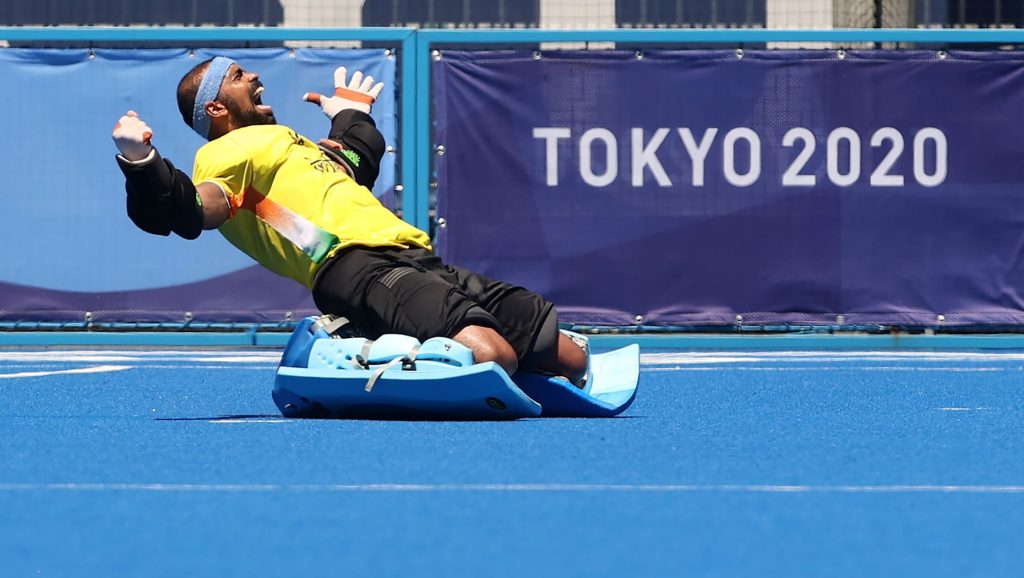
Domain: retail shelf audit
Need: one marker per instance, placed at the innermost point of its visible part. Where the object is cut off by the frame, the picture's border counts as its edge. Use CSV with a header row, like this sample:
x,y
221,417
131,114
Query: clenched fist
x,y
132,135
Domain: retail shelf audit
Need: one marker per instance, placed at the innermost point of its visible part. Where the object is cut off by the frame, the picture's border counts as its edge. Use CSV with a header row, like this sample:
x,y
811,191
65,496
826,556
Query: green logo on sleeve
x,y
352,157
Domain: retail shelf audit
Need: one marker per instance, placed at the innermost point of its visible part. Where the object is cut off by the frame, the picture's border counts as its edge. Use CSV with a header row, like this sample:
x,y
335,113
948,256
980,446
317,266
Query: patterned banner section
x,y
69,247
721,187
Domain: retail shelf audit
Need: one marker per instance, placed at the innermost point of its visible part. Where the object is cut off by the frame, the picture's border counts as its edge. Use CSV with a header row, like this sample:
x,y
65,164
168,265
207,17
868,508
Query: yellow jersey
x,y
291,206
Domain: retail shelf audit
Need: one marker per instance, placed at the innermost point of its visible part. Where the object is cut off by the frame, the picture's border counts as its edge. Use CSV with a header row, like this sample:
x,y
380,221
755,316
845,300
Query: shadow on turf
x,y
252,416
279,416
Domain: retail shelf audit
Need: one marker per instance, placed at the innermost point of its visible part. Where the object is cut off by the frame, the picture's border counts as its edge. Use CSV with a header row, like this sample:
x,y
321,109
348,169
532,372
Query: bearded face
x,y
250,110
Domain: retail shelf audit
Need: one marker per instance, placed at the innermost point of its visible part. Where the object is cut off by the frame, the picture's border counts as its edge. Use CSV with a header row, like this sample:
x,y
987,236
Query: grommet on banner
x,y
399,188
436,55
291,53
840,54
840,319
639,55
536,54
287,315
439,149
188,317
88,318
942,55
639,319
389,54
442,223
940,319
92,54
390,150
191,53
739,53
739,319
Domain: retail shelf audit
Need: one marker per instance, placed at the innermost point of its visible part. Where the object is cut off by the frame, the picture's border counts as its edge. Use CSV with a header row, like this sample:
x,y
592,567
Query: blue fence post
x,y
423,130
408,126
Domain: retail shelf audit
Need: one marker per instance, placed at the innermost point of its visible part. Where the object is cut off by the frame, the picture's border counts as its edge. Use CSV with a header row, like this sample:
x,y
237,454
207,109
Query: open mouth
x,y
257,101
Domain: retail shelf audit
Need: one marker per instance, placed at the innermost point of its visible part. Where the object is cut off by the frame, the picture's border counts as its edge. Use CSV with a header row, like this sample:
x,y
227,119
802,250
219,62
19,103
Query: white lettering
x,y
793,177
647,156
939,138
698,152
729,157
845,161
880,177
832,156
551,135
611,169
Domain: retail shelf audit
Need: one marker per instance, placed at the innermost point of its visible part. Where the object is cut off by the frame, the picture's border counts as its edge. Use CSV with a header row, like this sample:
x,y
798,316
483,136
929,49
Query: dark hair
x,y
187,89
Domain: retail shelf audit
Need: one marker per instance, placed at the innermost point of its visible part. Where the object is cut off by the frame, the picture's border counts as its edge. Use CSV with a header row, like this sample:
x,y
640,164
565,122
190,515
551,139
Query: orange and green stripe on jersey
x,y
315,242
291,206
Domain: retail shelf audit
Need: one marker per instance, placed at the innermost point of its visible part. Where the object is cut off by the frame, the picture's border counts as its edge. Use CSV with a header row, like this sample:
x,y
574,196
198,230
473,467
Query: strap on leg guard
x,y
333,326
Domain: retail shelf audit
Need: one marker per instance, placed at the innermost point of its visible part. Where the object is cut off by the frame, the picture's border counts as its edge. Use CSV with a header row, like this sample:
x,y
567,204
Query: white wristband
x,y
149,158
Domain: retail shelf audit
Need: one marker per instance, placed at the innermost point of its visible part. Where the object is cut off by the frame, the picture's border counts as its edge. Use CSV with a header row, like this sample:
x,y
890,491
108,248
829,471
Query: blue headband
x,y
209,88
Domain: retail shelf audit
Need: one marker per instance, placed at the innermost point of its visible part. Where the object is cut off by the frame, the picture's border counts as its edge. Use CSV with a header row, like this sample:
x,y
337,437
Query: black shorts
x,y
412,292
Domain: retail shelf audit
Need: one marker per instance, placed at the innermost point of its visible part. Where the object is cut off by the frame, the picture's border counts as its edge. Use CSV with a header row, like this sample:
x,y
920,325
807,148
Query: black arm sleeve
x,y
162,199
357,133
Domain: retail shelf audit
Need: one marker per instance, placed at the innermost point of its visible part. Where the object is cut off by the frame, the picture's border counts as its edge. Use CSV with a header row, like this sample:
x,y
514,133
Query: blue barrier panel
x,y
692,187
70,248
256,301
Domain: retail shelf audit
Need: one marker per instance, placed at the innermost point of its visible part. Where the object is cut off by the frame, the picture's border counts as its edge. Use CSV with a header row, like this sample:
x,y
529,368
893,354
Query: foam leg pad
x,y
610,390
446,351
479,392
322,377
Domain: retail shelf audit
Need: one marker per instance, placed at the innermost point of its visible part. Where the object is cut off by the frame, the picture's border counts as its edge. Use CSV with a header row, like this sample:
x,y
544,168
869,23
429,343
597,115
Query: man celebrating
x,y
305,211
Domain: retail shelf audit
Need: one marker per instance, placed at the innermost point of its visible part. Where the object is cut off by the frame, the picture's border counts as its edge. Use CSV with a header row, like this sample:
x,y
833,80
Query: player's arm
x,y
160,198
354,139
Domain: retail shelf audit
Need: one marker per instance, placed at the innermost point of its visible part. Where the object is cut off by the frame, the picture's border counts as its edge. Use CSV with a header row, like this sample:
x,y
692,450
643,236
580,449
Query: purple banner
x,y
716,187
250,295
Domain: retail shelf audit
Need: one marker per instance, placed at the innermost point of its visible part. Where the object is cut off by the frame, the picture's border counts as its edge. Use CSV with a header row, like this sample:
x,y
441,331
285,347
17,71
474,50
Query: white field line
x,y
48,366
953,369
96,369
261,367
652,361
242,356
677,368
539,488
122,355
705,357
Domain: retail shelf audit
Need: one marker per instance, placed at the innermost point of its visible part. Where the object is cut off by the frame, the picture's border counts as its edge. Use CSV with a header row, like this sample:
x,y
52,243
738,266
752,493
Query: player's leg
x,y
571,359
529,322
554,351
384,293
488,345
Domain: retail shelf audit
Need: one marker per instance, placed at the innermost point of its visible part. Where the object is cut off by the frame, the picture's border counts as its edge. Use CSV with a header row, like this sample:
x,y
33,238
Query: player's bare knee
x,y
488,345
499,351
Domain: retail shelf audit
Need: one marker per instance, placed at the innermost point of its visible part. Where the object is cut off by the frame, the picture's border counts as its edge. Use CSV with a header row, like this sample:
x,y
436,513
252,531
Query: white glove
x,y
359,94
132,136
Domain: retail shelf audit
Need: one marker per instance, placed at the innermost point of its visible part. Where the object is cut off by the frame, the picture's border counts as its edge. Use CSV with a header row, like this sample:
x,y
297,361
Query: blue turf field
x,y
134,462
